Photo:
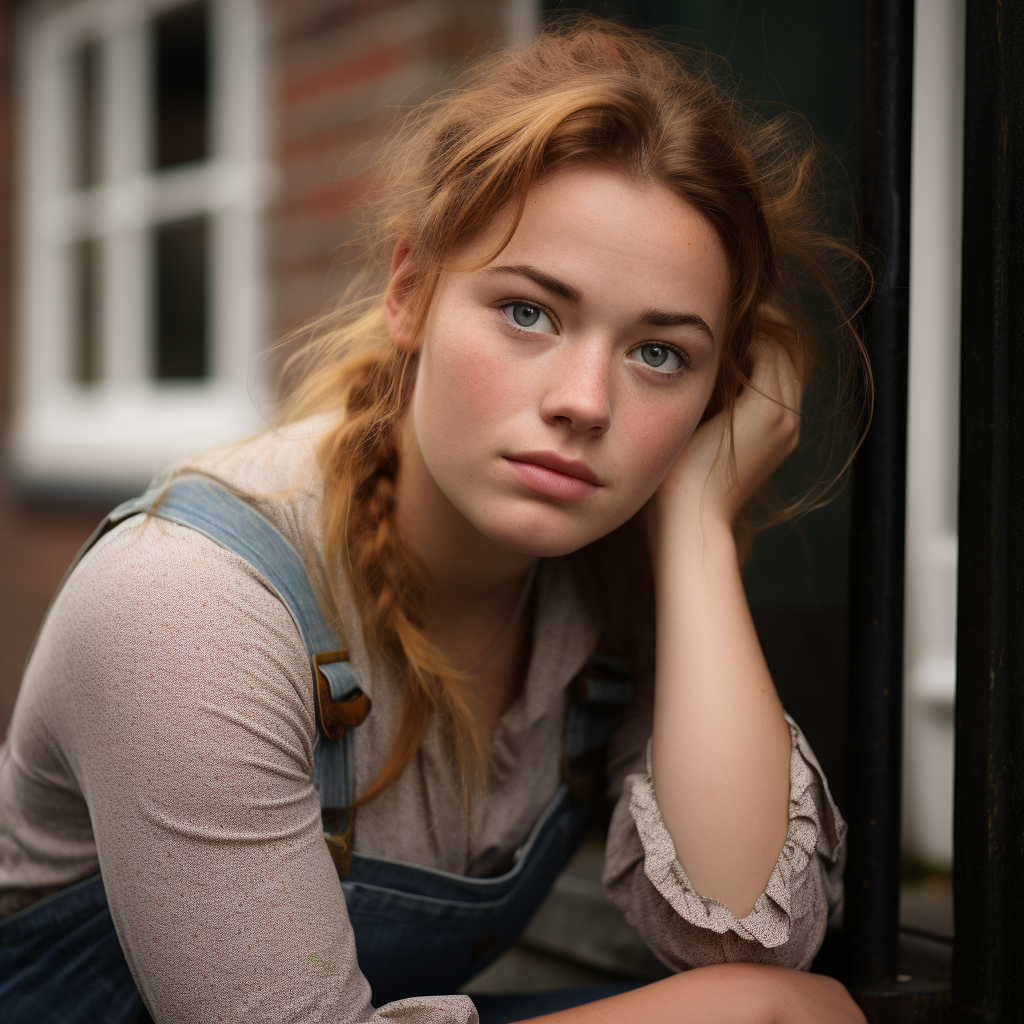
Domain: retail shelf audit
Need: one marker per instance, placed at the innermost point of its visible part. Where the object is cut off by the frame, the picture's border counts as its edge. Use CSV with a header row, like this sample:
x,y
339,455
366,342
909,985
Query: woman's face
x,y
557,384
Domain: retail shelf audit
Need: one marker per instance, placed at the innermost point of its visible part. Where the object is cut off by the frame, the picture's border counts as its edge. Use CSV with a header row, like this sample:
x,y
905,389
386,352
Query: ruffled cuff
x,y
816,829
428,1010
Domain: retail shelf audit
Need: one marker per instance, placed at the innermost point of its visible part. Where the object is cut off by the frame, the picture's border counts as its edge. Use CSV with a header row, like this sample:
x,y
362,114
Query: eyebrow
x,y
651,317
566,291
660,318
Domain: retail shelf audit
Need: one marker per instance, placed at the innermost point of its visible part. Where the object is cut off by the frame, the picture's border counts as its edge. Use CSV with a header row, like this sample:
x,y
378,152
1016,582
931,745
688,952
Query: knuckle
x,y
790,423
785,420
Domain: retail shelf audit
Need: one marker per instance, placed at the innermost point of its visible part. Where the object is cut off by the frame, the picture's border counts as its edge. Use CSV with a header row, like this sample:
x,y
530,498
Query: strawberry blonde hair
x,y
586,92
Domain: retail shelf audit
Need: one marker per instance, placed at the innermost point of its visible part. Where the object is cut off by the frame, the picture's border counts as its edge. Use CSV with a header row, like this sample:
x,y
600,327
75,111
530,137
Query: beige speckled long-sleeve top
x,y
164,735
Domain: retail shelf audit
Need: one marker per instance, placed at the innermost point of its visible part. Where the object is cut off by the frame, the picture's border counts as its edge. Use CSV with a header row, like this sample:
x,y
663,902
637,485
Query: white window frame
x,y
114,433
936,215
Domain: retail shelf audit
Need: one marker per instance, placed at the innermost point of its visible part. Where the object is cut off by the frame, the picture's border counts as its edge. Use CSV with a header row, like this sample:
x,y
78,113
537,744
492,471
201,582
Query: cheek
x,y
461,387
659,449
660,436
471,383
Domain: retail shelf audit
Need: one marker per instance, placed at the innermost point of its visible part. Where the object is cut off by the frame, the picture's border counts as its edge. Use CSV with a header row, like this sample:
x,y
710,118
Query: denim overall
x,y
418,931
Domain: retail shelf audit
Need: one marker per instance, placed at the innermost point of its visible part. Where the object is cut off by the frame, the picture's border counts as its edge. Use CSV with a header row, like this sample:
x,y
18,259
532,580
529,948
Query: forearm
x,y
721,747
723,994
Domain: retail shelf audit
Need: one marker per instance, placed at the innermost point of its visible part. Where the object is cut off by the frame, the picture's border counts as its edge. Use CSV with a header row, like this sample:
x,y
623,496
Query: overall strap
x,y
597,696
204,505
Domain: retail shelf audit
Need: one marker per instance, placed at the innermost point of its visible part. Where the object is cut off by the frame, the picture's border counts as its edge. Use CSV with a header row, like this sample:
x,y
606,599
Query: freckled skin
x,y
575,385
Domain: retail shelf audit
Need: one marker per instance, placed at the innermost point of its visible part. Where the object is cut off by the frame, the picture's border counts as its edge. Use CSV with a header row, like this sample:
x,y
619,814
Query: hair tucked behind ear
x,y
585,92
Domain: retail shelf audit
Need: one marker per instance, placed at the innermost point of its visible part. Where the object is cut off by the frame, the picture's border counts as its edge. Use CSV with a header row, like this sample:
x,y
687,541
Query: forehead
x,y
596,228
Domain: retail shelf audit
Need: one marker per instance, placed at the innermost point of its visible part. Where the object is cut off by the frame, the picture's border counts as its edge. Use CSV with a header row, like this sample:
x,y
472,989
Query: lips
x,y
555,462
549,474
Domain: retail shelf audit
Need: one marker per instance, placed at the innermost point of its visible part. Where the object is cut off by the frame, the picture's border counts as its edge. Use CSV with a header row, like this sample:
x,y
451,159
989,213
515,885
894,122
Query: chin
x,y
542,539
547,549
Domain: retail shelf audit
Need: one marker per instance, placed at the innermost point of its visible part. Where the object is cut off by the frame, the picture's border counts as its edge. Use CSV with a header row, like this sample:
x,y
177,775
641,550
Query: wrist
x,y
687,531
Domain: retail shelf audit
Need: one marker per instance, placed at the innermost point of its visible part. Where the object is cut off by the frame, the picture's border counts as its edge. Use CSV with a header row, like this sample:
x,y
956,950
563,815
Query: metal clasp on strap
x,y
599,691
337,715
604,679
339,844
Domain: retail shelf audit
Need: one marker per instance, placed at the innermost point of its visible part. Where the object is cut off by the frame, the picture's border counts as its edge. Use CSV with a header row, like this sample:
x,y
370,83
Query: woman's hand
x,y
765,429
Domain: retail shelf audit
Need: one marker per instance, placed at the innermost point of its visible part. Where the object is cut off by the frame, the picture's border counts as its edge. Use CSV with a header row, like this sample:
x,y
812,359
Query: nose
x,y
579,394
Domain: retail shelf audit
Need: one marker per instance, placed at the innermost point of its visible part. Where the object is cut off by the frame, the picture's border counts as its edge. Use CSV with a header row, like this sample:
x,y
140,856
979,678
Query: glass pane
x,y
85,125
181,299
181,61
85,265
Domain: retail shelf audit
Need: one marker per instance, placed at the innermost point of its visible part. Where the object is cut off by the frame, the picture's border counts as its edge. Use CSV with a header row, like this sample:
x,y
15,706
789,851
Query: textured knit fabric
x,y
164,735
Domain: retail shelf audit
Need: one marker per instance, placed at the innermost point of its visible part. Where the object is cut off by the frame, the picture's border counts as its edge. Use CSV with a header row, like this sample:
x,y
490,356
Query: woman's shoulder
x,y
277,471
159,633
174,571
149,578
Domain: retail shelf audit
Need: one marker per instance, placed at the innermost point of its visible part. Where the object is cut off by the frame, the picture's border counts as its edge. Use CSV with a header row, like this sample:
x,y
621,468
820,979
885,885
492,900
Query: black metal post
x,y
875,716
988,859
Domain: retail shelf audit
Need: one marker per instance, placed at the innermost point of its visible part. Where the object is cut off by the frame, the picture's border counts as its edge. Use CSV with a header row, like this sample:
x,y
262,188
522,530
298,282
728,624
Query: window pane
x,y
181,298
181,85
85,265
85,125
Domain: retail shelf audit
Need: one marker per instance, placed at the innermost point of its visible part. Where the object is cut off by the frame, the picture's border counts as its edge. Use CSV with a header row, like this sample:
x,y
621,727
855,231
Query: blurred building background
x,y
175,179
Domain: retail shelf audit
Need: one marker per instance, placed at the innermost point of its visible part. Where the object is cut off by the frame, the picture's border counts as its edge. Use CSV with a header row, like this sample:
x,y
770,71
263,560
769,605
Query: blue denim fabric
x,y
424,932
418,931
61,963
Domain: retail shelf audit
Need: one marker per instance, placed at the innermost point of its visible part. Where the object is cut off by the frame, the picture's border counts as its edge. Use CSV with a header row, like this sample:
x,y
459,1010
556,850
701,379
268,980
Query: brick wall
x,y
36,543
5,204
335,70
340,70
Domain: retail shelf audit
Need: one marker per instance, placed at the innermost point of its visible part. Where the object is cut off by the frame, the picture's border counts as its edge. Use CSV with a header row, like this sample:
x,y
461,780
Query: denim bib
x,y
418,931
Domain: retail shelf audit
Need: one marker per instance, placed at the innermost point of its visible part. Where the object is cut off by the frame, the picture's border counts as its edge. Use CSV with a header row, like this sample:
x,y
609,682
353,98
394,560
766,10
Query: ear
x,y
399,299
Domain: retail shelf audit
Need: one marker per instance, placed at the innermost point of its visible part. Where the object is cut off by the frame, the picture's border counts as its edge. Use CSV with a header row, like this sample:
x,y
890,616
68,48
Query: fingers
x,y
766,420
769,408
763,428
775,376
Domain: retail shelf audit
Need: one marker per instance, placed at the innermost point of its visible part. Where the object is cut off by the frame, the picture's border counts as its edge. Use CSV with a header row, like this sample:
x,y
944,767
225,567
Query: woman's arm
x,y
721,747
643,878
183,698
724,994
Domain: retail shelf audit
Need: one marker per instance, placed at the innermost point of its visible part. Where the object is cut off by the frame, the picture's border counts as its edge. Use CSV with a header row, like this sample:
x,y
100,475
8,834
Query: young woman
x,y
498,519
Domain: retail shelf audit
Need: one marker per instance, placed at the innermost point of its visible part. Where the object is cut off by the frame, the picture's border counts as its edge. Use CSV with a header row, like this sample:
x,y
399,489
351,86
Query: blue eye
x,y
528,317
660,357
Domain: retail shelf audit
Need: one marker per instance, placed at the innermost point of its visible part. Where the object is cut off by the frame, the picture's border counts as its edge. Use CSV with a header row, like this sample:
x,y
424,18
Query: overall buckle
x,y
337,715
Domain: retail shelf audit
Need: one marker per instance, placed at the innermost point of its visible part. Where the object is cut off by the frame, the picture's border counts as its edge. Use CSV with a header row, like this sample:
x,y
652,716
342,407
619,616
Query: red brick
x,y
337,73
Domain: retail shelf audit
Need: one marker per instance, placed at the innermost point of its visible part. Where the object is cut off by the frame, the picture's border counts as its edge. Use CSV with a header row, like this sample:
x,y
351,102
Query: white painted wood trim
x,y
117,432
933,418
